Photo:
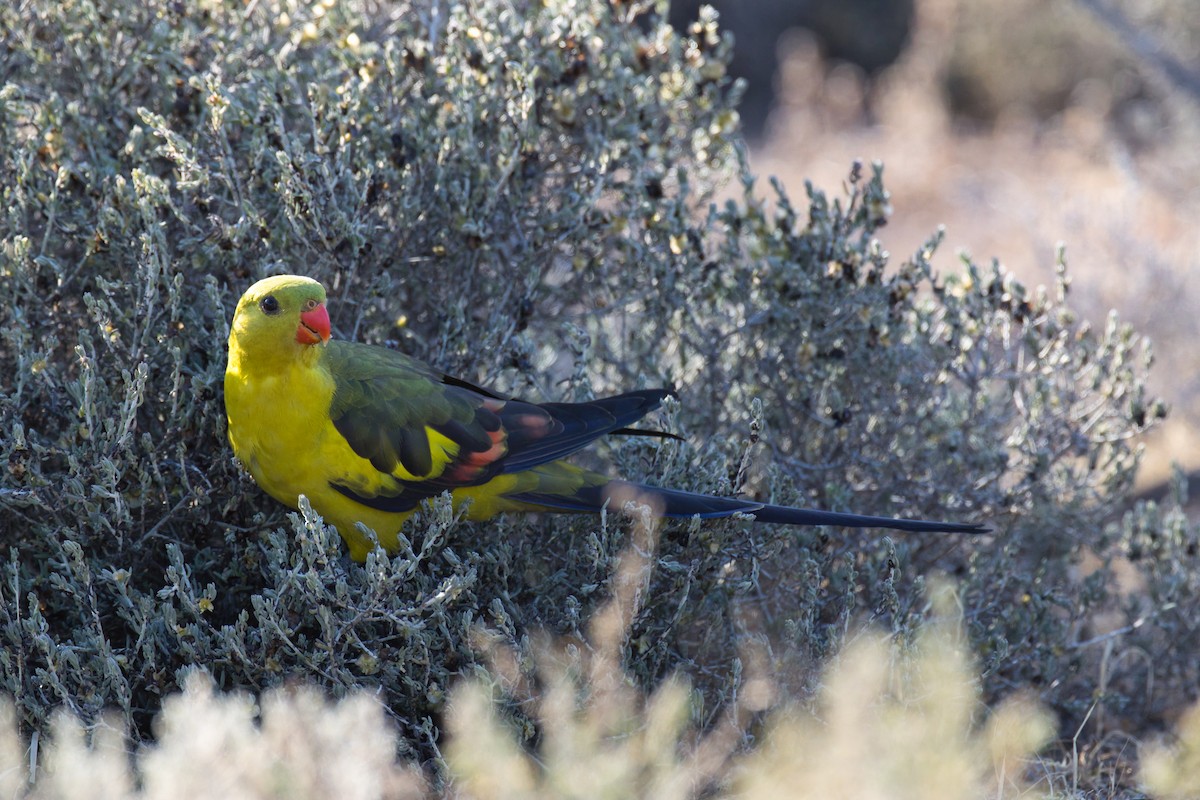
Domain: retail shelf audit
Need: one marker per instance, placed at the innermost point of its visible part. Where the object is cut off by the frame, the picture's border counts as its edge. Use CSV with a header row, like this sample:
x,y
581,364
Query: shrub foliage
x,y
550,198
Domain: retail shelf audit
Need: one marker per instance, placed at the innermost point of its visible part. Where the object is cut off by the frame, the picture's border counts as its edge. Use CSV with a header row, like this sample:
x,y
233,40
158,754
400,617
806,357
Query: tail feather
x,y
785,515
678,504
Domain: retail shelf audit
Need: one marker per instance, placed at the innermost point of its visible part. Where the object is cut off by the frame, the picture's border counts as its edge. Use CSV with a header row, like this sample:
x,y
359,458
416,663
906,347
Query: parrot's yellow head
x,y
278,320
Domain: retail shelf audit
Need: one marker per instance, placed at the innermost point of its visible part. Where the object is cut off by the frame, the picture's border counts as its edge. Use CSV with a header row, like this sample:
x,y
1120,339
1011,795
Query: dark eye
x,y
269,305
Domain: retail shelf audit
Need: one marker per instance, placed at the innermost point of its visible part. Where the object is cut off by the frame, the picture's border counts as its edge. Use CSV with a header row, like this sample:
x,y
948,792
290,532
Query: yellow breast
x,y
280,429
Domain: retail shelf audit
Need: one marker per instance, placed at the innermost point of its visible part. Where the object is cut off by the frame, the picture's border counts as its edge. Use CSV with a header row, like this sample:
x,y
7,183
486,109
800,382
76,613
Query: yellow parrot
x,y
367,433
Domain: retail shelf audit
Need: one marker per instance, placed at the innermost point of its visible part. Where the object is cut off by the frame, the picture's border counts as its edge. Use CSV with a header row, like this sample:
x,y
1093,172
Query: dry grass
x,y
888,722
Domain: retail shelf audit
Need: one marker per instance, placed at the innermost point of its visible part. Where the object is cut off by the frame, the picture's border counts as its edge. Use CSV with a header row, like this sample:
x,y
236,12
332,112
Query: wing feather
x,y
430,432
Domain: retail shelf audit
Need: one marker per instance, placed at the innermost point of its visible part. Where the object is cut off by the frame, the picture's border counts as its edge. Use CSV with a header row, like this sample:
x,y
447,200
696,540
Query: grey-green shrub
x,y
891,724
551,199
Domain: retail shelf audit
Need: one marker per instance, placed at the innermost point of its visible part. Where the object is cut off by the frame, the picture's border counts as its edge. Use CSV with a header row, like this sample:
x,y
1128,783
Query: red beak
x,y
314,326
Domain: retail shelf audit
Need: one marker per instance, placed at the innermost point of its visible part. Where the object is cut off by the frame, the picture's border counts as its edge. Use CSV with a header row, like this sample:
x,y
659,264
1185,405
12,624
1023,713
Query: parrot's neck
x,y
272,361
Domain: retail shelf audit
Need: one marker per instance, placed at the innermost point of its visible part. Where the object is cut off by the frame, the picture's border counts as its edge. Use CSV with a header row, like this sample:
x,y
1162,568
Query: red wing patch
x,y
473,464
502,428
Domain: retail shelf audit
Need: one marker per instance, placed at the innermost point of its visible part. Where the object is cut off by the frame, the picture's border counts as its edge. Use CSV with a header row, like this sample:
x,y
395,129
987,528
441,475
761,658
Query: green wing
x,y
434,432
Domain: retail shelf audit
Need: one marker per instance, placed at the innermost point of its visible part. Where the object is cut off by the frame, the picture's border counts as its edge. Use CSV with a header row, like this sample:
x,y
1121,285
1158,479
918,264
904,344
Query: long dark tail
x,y
677,504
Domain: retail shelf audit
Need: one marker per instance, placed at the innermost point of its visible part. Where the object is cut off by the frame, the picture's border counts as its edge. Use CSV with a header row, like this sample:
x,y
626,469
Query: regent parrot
x,y
367,433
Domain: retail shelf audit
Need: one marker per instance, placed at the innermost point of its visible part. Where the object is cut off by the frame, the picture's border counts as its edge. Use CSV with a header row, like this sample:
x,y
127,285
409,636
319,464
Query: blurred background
x,y
1017,125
